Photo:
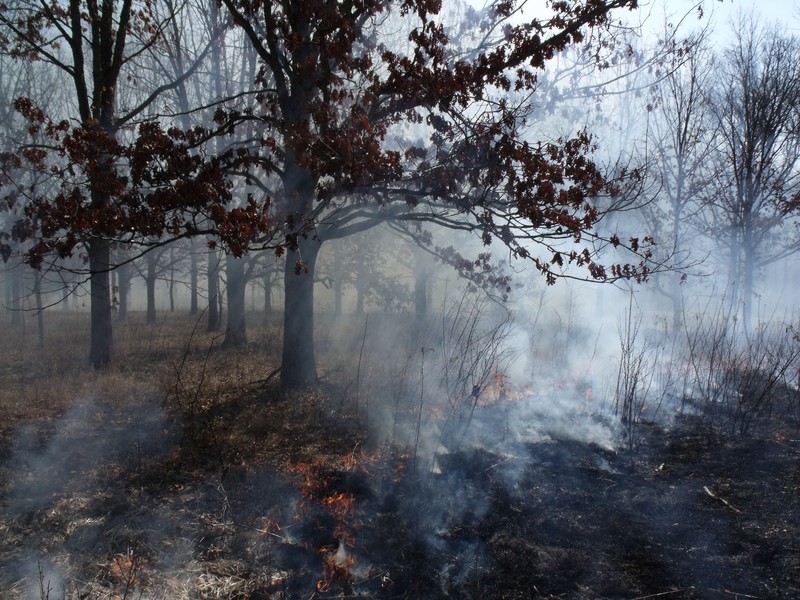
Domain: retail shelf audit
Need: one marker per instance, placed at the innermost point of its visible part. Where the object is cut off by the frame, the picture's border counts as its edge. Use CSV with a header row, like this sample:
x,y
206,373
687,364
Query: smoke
x,y
61,471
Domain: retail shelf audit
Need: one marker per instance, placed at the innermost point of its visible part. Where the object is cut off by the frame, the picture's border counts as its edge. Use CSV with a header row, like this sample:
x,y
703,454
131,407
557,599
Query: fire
x,y
271,527
341,505
318,490
127,573
336,567
501,390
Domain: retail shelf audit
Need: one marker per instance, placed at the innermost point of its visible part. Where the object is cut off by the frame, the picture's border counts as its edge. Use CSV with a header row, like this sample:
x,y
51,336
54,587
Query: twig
x,y
44,590
660,594
497,464
267,379
178,381
736,594
725,502
358,369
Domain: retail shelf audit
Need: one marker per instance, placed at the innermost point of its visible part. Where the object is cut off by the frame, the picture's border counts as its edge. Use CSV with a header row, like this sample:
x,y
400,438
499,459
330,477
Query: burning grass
x,y
181,473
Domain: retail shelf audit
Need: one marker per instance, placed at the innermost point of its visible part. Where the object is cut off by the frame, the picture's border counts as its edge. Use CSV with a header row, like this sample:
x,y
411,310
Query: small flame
x,y
317,489
271,527
336,566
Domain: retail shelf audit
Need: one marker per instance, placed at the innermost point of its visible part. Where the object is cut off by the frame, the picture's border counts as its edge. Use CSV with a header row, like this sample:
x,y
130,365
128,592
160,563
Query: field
x,y
183,471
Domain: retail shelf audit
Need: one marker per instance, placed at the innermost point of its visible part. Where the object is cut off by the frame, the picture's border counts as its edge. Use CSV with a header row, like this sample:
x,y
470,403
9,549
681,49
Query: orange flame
x,y
336,565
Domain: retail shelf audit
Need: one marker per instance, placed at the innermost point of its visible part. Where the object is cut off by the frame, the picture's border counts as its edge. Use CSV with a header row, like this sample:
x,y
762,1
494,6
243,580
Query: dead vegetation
x,y
183,472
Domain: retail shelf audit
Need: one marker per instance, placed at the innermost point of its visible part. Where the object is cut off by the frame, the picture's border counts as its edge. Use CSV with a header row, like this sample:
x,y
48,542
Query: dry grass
x,y
180,473
143,445
42,382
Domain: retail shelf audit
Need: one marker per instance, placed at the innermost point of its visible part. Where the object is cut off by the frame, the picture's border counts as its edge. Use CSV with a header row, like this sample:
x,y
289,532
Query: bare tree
x,y
757,108
682,145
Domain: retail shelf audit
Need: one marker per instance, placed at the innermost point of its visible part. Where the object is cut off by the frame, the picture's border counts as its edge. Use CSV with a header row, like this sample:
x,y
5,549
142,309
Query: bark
x,y
150,280
193,277
171,279
16,295
37,291
213,291
748,275
338,275
100,296
236,329
299,368
124,278
422,276
267,292
678,201
733,270
337,297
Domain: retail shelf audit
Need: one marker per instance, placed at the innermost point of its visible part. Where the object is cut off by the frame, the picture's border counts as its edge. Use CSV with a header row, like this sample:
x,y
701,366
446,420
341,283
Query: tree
x,y
214,296
757,108
117,176
156,264
682,152
124,274
17,81
239,272
368,264
336,104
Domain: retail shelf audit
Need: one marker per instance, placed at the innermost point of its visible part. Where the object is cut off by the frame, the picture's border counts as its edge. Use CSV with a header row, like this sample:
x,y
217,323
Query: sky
x,y
723,12
783,11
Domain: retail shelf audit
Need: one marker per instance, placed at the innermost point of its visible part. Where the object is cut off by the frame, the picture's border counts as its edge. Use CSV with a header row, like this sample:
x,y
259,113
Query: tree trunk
x,y
220,308
299,368
267,292
100,296
171,279
337,297
236,329
748,275
16,295
150,280
733,271
421,276
338,275
37,290
213,291
676,293
193,269
124,278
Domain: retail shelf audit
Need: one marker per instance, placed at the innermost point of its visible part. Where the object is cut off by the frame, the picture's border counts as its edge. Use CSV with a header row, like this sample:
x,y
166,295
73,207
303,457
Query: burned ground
x,y
239,491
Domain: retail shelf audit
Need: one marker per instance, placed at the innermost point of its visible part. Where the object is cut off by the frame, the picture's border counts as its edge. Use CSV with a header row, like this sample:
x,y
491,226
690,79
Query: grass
x,y
182,470
58,412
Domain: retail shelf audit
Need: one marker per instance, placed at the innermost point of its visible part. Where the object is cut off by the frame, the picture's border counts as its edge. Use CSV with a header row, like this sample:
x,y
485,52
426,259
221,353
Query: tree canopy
x,y
359,112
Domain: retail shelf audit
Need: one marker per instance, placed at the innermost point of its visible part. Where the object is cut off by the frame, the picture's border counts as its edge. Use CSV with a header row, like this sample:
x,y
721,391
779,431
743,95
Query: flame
x,y
317,488
341,505
271,527
127,573
337,563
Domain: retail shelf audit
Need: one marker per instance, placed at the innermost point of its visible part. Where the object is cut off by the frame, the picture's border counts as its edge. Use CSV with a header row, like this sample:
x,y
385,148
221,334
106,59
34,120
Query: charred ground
x,y
184,474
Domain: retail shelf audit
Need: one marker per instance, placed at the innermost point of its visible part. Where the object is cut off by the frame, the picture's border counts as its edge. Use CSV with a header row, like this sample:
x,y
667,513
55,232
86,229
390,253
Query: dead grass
x,y
42,382
228,421
178,473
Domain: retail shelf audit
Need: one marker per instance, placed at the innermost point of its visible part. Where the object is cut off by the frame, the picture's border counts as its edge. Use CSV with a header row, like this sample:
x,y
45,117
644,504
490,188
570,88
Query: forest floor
x,y
184,472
